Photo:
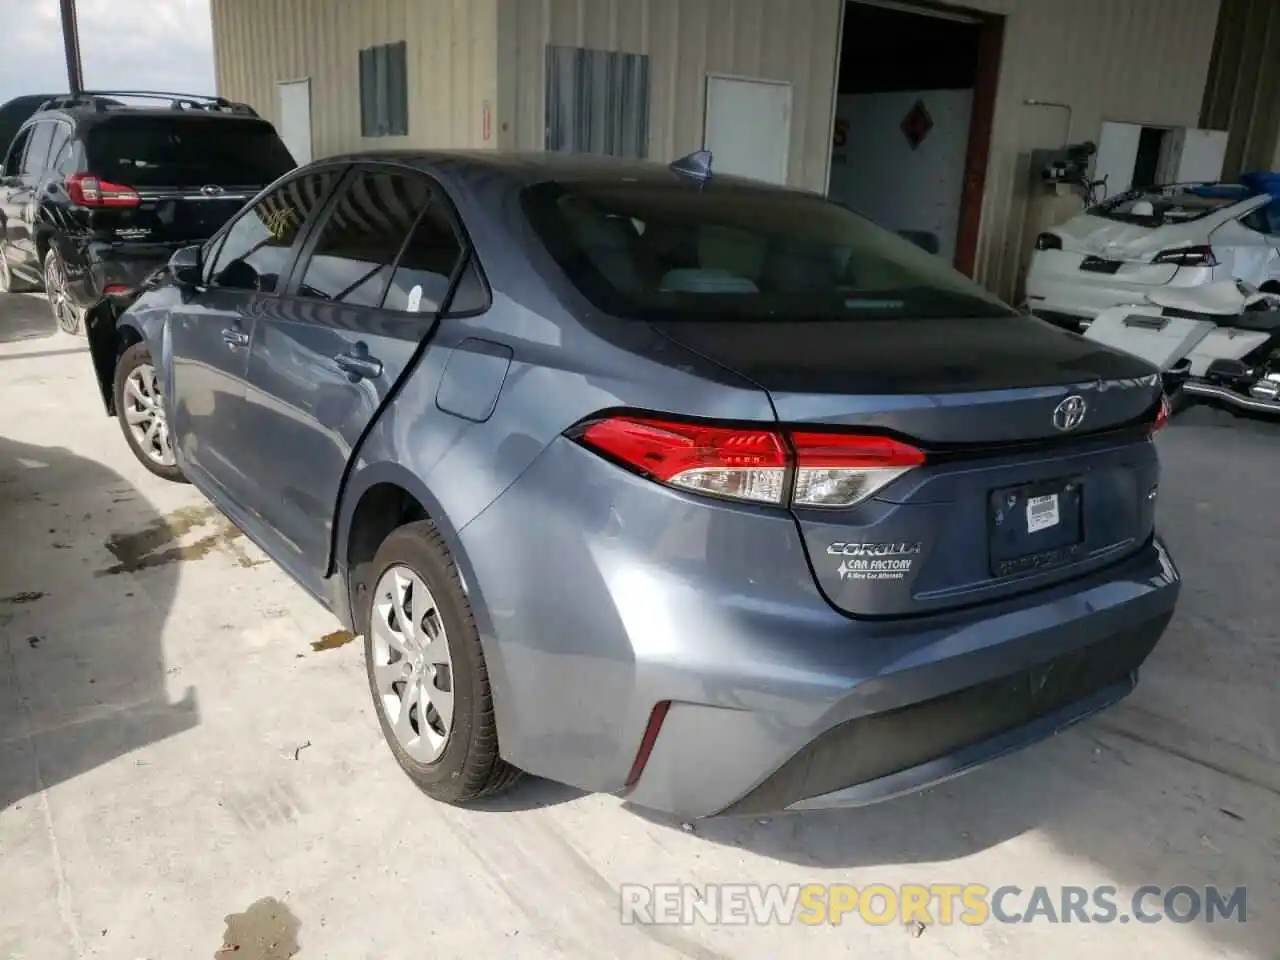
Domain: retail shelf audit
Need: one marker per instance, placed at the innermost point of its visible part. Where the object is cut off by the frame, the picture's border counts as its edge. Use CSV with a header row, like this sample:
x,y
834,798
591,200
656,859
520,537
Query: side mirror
x,y
186,266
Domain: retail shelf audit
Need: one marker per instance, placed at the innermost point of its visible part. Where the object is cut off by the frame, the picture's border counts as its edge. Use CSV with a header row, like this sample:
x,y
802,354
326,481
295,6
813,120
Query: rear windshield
x,y
1162,206
187,151
670,251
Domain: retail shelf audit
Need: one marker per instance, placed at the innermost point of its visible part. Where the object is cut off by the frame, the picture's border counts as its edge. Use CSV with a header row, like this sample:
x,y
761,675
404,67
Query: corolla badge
x,y
1070,412
212,190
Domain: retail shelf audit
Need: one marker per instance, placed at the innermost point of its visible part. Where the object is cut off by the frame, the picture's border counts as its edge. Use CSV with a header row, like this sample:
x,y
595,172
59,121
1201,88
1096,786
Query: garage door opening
x,y
913,116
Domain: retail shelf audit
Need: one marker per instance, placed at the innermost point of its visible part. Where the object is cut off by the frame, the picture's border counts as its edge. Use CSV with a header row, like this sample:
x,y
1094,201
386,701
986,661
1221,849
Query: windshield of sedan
x,y
733,251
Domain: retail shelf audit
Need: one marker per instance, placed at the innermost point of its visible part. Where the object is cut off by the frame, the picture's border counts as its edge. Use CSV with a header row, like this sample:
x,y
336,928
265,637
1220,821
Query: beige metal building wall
x,y
785,40
452,66
1135,60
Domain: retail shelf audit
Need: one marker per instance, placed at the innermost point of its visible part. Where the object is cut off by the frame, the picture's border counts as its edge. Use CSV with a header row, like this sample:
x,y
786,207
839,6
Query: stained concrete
x,y
189,761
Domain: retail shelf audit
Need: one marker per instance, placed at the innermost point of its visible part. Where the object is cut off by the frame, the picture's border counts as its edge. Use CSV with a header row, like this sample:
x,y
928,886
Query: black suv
x,y
97,193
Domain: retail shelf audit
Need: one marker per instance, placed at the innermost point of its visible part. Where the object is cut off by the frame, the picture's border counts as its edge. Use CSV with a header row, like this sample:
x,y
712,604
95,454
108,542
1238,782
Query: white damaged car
x,y
1181,235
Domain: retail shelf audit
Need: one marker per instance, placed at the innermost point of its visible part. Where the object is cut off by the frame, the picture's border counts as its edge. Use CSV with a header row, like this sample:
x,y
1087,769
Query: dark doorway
x,y
913,119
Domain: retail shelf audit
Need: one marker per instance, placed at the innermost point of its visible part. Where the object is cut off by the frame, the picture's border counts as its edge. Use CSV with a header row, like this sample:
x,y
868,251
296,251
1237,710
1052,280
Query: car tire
x,y
68,317
139,403
9,281
453,759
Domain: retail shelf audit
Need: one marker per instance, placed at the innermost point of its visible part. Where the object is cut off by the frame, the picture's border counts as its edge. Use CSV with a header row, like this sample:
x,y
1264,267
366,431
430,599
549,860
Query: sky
x,y
124,44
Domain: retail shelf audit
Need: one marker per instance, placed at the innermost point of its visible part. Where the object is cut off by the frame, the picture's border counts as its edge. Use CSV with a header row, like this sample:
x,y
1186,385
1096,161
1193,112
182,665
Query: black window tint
x,y
141,151
13,159
1266,219
37,149
422,278
669,251
58,145
256,251
471,295
358,243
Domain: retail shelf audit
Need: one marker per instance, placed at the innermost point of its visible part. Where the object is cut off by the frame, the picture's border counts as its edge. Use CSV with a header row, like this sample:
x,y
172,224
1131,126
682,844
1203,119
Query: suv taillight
x,y
1162,415
86,190
753,464
1201,256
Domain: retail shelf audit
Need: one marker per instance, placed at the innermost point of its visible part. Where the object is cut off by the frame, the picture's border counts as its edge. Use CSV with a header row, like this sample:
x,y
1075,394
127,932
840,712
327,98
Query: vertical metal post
x,y
71,44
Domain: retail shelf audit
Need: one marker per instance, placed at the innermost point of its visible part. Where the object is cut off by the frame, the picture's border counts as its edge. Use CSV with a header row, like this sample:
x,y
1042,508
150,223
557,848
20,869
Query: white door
x,y
295,118
748,127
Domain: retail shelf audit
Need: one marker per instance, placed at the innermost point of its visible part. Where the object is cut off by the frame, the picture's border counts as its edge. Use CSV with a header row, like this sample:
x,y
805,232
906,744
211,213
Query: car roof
x,y
530,167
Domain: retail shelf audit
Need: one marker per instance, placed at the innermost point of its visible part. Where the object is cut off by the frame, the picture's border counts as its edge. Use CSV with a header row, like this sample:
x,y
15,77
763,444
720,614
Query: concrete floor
x,y
173,751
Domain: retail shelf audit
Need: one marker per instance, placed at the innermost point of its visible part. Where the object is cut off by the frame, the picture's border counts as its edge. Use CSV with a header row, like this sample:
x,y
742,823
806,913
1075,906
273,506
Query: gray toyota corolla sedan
x,y
673,485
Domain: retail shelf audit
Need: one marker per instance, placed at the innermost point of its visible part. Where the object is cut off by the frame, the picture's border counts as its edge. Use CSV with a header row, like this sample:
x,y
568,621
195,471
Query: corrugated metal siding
x,y
1243,93
1137,60
685,40
452,63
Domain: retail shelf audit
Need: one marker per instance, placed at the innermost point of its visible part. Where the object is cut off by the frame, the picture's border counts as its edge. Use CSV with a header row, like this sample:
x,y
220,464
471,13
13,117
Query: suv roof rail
x,y
102,100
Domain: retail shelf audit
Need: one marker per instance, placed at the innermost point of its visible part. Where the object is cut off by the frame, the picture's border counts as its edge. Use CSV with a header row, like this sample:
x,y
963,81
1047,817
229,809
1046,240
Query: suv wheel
x,y
427,672
9,281
140,410
66,314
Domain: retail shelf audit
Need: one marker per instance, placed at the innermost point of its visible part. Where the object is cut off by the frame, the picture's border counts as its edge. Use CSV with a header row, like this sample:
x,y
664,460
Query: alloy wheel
x,y
412,669
144,414
55,285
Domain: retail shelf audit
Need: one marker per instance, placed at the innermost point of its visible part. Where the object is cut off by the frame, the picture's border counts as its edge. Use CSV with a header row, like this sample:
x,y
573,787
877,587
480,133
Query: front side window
x,y
37,149
672,251
258,247
356,250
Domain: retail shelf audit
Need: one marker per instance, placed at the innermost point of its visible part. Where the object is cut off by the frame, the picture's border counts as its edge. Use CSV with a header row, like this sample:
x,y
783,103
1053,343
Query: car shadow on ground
x,y
26,317
83,679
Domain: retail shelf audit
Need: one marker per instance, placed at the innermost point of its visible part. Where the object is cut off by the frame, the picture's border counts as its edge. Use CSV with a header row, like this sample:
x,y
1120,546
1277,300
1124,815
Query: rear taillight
x,y
1048,241
837,469
86,190
753,464
1201,256
726,462
1162,415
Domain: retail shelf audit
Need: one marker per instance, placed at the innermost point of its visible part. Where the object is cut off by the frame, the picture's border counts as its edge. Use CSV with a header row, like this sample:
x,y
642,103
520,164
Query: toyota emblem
x,y
211,190
1070,413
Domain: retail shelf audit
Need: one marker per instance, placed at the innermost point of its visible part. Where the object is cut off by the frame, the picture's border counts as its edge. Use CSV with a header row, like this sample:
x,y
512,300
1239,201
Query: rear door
x,y
190,172
20,199
211,330
366,293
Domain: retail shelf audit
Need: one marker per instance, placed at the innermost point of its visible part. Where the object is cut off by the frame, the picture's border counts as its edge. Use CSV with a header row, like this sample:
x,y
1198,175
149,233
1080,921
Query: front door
x,y
363,300
211,332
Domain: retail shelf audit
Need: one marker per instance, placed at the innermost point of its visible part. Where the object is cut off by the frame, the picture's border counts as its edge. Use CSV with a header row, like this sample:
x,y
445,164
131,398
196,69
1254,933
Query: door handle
x,y
359,366
235,338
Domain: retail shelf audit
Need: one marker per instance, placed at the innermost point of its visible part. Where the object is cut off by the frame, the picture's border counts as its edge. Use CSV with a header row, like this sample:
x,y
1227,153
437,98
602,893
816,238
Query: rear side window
x,y
142,151
257,249
59,146
422,277
666,250
37,149
359,242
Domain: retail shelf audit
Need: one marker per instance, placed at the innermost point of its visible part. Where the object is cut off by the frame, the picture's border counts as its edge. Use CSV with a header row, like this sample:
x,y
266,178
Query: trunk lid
x,y
1006,501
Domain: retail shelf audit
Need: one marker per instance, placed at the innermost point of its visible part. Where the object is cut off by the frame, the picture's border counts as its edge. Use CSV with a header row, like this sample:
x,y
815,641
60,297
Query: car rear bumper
x,y
111,265
600,595
1055,294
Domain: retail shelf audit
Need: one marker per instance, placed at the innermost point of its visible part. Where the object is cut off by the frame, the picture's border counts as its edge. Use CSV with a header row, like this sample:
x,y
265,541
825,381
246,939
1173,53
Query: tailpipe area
x,y
1215,394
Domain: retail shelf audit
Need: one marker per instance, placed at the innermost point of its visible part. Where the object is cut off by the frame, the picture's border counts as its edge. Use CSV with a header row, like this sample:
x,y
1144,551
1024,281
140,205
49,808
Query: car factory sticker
x,y
874,561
